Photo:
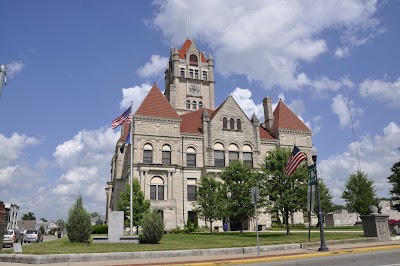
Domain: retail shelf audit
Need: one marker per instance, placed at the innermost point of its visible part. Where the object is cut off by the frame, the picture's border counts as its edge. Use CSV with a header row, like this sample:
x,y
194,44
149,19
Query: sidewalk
x,y
208,257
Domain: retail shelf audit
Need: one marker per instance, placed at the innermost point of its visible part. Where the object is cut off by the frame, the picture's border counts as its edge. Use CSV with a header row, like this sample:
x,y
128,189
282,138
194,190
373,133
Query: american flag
x,y
125,117
294,161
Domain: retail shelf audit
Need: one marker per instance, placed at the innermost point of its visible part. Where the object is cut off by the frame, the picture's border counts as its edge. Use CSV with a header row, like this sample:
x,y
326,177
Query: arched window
x,y
224,123
148,153
238,125
219,155
247,155
157,188
187,104
200,105
166,154
193,61
232,123
191,157
194,105
233,153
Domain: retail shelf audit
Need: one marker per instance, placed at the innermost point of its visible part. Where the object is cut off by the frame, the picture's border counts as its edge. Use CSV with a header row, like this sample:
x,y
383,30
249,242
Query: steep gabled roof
x,y
186,46
264,134
284,118
155,104
192,122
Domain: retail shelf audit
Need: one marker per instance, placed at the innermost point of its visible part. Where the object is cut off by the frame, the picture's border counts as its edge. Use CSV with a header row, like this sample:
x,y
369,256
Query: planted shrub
x,y
153,227
100,229
78,223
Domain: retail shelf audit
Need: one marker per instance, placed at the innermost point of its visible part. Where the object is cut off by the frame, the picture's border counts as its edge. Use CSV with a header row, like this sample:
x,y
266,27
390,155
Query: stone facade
x,y
180,135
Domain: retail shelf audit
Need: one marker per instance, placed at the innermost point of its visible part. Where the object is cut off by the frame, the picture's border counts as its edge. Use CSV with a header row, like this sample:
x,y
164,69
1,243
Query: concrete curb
x,y
60,258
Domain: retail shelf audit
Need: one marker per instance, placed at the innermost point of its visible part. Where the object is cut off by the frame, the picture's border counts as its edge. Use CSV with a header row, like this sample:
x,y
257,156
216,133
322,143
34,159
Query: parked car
x,y
12,236
33,236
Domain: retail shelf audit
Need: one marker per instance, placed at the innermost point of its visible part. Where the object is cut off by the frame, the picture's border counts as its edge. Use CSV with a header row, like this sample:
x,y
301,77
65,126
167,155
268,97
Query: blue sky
x,y
73,66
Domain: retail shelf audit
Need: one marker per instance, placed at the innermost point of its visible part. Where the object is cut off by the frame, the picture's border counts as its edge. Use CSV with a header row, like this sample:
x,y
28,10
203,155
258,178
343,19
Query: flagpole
x,y
131,173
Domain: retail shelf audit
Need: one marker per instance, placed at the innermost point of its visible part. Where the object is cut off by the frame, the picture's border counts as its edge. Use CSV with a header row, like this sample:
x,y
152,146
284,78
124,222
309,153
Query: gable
x,y
156,105
284,118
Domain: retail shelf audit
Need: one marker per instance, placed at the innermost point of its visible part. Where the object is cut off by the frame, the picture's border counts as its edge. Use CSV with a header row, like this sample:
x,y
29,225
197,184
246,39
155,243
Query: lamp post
x,y
323,246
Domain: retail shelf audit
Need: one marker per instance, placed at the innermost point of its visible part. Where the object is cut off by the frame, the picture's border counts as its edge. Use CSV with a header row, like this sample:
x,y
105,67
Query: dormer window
x,y
193,61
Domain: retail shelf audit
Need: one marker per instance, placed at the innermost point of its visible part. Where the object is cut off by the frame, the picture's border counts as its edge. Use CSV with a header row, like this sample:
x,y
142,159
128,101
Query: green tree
x,y
238,180
359,193
325,198
41,228
61,224
78,223
43,219
28,216
287,194
394,180
209,200
153,227
94,214
140,205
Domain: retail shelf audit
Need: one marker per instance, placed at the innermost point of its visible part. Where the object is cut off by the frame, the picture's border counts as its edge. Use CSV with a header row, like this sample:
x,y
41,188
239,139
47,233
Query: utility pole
x,y
3,71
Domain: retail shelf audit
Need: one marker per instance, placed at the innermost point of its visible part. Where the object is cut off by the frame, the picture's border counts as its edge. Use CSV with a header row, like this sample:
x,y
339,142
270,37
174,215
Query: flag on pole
x,y
125,117
294,161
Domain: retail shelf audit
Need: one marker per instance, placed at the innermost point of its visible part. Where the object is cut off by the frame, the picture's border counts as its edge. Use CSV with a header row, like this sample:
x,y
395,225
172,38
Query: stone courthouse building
x,y
181,135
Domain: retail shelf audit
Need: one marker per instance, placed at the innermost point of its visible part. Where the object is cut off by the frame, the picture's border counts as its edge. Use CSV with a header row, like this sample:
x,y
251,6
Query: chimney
x,y
268,115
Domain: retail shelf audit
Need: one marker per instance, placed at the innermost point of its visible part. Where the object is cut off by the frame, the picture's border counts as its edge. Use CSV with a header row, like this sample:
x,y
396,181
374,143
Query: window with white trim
x,y
148,153
219,155
166,154
157,188
191,189
247,155
233,153
191,157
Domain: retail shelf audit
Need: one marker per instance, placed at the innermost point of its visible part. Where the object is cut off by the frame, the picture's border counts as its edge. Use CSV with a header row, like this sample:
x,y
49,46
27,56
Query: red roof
x,y
186,46
264,134
125,130
192,123
284,118
155,104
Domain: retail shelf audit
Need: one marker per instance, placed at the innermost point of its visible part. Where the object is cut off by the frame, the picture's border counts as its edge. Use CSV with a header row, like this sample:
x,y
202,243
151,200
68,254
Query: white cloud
x,y
135,94
243,98
377,155
14,68
11,148
384,91
247,38
339,107
155,67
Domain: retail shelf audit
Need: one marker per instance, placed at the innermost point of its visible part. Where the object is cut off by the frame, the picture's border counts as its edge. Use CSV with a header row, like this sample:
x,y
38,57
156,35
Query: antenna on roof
x,y
187,28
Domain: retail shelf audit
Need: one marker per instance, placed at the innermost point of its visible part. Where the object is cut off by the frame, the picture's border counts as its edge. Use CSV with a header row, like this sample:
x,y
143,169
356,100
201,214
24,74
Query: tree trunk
x,y
241,227
287,222
211,228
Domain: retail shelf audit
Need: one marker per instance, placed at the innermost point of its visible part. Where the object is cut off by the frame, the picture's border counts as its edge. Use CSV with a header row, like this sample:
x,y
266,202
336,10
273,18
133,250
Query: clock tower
x,y
189,79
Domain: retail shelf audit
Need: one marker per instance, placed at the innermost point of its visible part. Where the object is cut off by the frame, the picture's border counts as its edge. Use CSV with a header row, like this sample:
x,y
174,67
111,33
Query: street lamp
x,y
323,246
3,71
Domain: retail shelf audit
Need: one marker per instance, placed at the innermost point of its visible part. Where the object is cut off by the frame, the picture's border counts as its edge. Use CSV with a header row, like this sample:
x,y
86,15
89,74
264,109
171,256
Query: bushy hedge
x,y
100,229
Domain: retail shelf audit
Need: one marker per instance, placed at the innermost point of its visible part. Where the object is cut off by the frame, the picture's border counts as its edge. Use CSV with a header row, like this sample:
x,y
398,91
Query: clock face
x,y
194,89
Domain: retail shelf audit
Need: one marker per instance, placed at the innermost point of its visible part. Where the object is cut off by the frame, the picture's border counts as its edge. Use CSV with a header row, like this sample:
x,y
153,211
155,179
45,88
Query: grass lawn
x,y
183,241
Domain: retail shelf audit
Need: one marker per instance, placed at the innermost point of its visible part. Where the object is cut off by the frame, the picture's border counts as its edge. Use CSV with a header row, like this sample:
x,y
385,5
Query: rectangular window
x,y
182,72
191,189
191,159
192,217
153,189
219,159
166,157
196,74
147,156
191,73
233,156
204,75
160,193
248,158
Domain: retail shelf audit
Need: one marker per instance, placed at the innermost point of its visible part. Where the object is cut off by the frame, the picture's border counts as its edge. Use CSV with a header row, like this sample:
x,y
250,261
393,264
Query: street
x,y
375,258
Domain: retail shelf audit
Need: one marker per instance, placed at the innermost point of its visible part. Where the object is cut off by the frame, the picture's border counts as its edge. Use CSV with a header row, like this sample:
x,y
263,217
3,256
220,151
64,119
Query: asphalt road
x,y
375,258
